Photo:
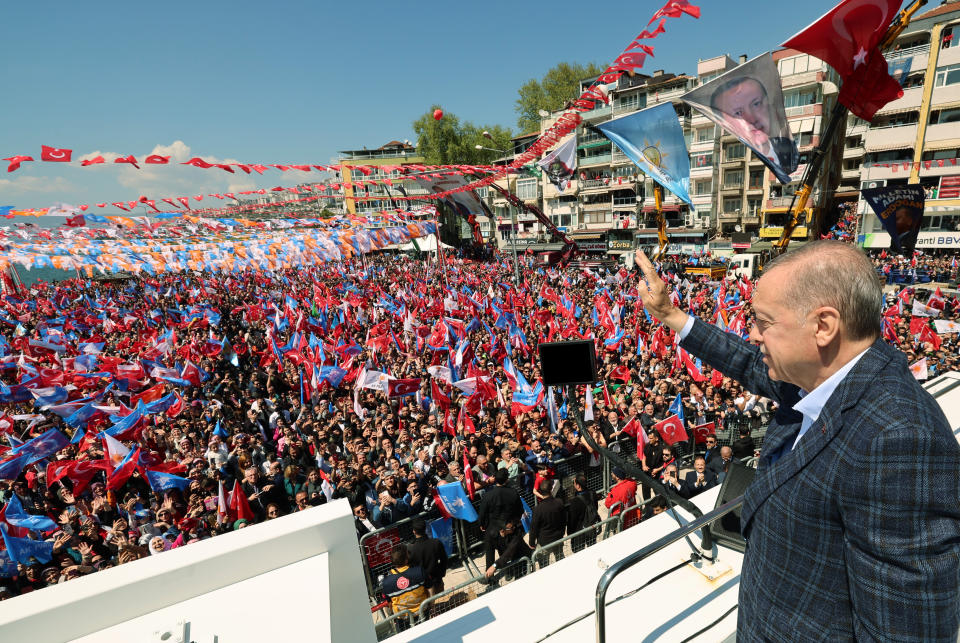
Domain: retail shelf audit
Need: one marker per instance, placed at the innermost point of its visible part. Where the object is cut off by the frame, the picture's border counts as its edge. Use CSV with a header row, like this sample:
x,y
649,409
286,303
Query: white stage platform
x,y
531,608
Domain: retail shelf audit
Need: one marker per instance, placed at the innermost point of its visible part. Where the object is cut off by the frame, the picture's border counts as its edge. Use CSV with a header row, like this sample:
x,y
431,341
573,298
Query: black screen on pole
x,y
563,363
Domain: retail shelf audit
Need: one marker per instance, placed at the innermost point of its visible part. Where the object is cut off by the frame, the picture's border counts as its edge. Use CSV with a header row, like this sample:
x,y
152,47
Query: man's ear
x,y
828,326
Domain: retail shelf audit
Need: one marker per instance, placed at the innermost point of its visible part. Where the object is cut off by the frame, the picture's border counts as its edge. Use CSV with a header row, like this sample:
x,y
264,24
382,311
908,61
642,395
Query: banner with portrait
x,y
747,102
900,210
560,164
653,139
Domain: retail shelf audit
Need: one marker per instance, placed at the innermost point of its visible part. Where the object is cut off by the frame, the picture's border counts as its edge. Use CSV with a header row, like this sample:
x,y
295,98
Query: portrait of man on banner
x,y
747,102
560,164
900,210
653,139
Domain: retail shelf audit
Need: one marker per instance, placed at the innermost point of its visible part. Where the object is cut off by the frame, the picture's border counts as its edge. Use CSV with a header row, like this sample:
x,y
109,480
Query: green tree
x,y
559,85
450,141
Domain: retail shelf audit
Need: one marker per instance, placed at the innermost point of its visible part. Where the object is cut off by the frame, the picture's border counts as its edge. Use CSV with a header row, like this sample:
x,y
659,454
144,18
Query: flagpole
x,y
440,262
661,220
838,113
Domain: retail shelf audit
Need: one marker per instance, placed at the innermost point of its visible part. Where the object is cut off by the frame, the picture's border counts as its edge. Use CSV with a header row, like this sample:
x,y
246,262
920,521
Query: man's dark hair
x,y
419,527
580,480
503,476
399,555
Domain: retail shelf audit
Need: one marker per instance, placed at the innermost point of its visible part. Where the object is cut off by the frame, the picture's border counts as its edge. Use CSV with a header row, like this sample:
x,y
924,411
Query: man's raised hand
x,y
653,293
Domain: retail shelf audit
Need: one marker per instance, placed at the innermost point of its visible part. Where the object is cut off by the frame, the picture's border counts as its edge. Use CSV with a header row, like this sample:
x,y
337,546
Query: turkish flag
x,y
847,38
197,162
177,407
716,379
54,154
449,423
94,161
468,476
399,388
15,162
156,159
6,423
76,221
701,432
150,395
238,503
621,373
671,429
127,159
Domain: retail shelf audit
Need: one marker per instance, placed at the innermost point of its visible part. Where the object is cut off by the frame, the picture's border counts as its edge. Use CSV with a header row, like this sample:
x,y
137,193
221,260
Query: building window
x,y
949,75
630,101
527,189
947,38
731,205
482,192
756,180
753,205
702,188
799,98
704,134
734,152
702,160
732,179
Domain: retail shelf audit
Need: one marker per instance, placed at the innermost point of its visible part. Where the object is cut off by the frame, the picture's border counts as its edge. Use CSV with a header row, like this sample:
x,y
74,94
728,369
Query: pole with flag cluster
x,y
849,41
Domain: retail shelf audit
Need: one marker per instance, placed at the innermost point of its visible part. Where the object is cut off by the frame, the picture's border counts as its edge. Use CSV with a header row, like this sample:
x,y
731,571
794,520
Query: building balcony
x,y
910,101
942,133
853,152
595,114
594,185
799,80
619,158
890,138
596,207
814,109
701,172
599,159
626,108
853,174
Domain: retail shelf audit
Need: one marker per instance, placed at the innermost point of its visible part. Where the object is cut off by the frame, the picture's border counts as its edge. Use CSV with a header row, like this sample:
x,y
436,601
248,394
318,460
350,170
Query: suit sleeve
x,y
902,528
733,357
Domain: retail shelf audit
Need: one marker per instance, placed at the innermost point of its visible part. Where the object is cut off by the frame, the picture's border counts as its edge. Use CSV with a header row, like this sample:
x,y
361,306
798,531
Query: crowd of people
x,y
148,413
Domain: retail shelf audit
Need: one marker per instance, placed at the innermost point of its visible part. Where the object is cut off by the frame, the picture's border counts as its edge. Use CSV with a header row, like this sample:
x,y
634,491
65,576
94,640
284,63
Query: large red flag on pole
x,y
847,38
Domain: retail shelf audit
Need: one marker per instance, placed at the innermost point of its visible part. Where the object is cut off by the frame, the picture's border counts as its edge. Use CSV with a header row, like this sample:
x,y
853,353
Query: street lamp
x,y
491,149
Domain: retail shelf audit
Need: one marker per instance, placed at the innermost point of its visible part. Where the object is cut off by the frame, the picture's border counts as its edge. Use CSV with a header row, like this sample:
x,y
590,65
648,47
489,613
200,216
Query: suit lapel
x,y
769,478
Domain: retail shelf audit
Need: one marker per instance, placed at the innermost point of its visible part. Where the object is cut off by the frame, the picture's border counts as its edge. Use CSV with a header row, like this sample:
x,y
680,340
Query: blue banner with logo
x,y
653,139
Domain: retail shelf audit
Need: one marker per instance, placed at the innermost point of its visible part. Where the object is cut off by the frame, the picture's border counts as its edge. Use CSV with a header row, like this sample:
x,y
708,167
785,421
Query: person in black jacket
x,y
498,505
428,554
743,447
547,525
581,513
510,545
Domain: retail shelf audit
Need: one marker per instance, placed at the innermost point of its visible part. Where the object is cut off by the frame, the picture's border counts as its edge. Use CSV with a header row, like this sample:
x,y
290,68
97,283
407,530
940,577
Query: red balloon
x,y
437,114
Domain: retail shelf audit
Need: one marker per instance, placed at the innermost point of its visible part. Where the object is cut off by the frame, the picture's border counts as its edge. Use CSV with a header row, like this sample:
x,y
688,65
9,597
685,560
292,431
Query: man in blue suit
x,y
853,519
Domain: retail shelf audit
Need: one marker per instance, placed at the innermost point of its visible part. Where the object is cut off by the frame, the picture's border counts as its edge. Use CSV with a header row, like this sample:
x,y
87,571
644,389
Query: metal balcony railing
x,y
622,565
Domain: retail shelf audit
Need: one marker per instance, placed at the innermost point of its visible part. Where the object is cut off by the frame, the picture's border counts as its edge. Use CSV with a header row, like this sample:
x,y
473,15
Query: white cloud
x,y
25,184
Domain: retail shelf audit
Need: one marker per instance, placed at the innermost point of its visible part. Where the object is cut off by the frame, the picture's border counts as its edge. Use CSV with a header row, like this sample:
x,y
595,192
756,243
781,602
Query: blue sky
x,y
295,81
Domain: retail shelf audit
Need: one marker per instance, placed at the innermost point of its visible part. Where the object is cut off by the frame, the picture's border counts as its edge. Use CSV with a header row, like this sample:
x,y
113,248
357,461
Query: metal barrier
x,y
652,548
377,545
394,624
632,515
577,541
472,588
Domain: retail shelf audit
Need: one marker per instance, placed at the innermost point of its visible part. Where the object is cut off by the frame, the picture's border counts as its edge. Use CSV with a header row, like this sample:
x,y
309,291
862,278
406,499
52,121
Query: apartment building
x,y
381,163
916,138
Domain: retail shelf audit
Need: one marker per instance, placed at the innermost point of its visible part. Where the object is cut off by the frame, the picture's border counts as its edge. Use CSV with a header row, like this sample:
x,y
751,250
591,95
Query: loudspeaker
x,y
563,363
726,530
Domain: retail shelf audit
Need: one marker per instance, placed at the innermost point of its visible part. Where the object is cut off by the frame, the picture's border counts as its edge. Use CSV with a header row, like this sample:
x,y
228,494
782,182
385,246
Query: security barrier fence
x,y
472,588
467,538
394,624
